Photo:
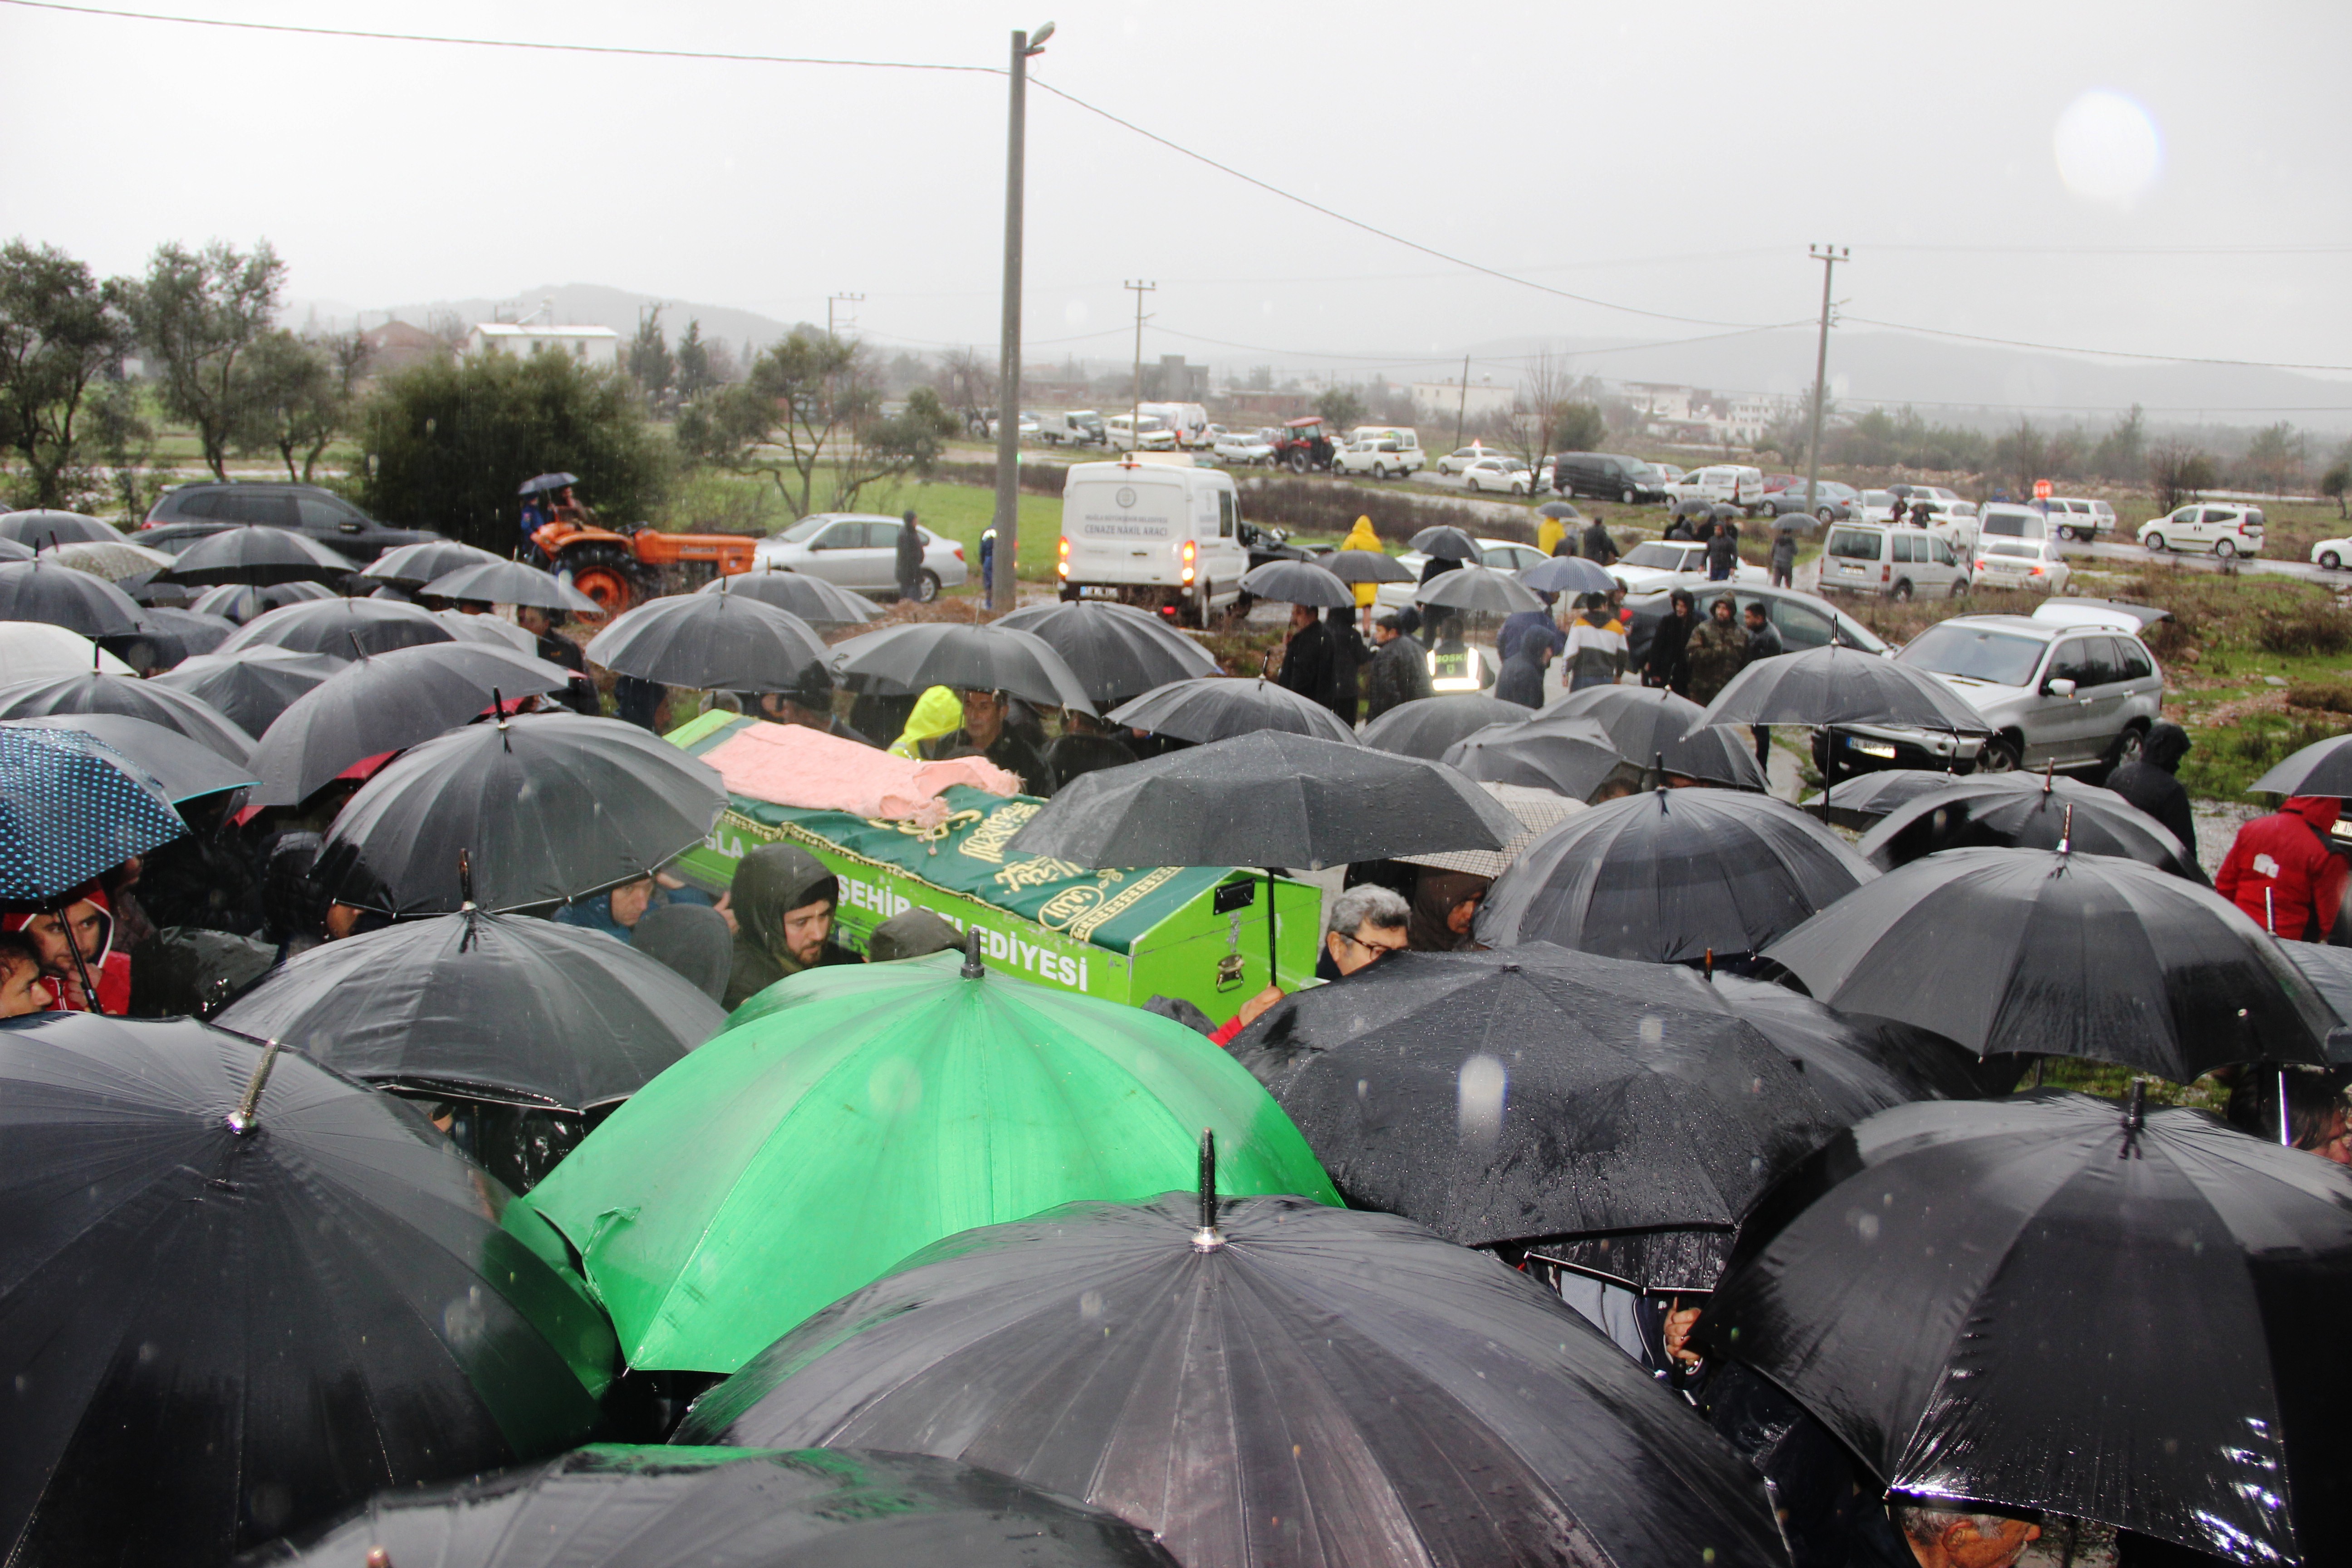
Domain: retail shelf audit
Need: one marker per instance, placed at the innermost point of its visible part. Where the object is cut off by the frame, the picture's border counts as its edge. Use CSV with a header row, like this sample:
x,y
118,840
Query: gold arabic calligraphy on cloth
x,y
1081,910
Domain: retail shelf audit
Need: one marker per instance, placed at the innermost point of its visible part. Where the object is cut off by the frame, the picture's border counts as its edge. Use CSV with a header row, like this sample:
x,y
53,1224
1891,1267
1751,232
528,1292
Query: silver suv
x,y
2074,697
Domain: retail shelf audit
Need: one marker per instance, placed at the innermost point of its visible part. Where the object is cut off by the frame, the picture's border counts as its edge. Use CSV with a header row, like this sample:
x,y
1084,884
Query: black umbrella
x,y
1297,583
1835,685
2058,954
1859,1065
40,529
1446,543
716,642
240,603
411,566
1558,752
1558,509
2053,1302
1973,812
196,632
12,550
1118,651
1860,802
731,1508
1263,1380
1692,506
1622,1114
1217,707
243,1293
479,1007
922,654
45,591
546,482
257,555
1568,575
550,808
1365,566
252,688
2329,970
345,628
1428,725
388,702
185,768
490,631
1479,589
1672,876
813,599
2323,768
133,698
1266,798
510,582
1651,726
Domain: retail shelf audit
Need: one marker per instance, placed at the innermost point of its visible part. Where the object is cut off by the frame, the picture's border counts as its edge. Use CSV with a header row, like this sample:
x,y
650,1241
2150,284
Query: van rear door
x,y
1125,525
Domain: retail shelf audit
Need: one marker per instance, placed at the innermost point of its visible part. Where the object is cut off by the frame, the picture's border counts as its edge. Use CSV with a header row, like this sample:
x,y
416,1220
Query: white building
x,y
1450,398
591,346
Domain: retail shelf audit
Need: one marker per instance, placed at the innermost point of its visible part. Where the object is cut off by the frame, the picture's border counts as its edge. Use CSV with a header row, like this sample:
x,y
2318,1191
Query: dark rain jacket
x,y
1598,547
769,882
2282,873
1715,652
1400,674
1350,653
1784,557
2149,782
1722,555
910,551
1307,661
1523,675
1664,663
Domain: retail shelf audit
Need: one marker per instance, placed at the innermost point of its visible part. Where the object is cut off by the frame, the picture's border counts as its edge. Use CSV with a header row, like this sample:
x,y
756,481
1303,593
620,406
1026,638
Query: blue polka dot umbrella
x,y
70,807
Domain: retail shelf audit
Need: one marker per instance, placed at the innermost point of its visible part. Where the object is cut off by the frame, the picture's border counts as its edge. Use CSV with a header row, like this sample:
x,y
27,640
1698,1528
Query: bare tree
x,y
967,386
2178,472
448,326
814,403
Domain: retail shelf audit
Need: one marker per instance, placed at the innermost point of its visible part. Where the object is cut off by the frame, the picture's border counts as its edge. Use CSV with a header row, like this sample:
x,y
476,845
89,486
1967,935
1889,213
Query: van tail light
x,y
1064,564
2041,572
1192,552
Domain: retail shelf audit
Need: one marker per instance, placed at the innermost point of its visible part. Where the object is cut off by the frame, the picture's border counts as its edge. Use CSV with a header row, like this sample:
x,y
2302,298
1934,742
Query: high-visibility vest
x,y
1454,671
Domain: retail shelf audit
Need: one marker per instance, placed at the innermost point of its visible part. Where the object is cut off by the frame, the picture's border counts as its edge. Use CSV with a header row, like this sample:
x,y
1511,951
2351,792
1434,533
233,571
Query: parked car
x,y
2030,563
1804,620
1833,502
2080,519
1461,458
1725,484
2332,553
2224,528
2056,695
1078,427
1900,563
1127,431
1498,473
1629,482
1379,458
1402,442
860,552
1656,565
180,517
1235,450
1502,554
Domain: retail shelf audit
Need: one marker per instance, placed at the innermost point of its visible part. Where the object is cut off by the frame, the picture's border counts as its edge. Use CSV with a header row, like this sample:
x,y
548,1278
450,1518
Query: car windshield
x,y
1661,555
1974,653
1853,544
2021,550
803,531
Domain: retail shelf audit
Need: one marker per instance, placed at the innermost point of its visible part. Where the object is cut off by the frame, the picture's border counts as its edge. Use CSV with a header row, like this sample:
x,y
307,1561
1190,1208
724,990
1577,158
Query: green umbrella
x,y
857,1114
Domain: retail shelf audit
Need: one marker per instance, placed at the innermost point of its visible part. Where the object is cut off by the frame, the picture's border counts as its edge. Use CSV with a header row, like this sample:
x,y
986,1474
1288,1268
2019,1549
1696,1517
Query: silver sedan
x,y
859,551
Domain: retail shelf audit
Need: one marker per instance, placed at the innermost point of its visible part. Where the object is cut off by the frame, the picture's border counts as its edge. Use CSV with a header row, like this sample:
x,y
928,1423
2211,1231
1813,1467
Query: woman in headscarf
x,y
783,898
1443,905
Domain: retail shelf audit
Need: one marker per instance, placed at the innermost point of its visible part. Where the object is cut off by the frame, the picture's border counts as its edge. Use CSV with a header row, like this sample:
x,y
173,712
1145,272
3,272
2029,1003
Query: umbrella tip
x,y
2135,1118
1208,1239
378,1557
2066,832
466,882
1707,969
972,967
247,1115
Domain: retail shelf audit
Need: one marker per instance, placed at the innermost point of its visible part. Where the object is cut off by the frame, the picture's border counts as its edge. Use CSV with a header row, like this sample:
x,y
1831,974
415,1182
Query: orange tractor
x,y
622,568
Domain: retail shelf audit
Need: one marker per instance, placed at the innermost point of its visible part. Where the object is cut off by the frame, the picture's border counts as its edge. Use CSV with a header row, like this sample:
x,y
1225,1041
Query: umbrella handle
x,y
1273,973
89,986
243,1119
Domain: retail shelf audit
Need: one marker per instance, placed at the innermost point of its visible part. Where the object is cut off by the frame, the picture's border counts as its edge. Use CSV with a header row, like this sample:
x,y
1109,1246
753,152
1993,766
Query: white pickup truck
x,y
1379,457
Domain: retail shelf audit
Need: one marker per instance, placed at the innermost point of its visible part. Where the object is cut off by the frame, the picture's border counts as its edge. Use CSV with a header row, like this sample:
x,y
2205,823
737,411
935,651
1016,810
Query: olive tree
x,y
61,332
198,315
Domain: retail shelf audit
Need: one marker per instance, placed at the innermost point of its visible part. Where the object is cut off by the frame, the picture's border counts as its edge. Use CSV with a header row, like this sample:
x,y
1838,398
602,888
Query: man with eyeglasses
x,y
1367,924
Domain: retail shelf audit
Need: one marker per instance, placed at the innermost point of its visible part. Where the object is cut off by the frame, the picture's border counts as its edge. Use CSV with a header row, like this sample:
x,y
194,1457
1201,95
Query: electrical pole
x,y
831,301
1004,579
1135,392
1829,256
1462,408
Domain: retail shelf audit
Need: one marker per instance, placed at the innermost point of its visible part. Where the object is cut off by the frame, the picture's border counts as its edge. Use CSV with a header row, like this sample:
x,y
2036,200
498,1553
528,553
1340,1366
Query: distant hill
x,y
575,304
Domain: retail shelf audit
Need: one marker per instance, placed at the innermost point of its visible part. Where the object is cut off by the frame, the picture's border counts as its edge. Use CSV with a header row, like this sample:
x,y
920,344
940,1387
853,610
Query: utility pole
x,y
1135,392
1462,408
831,301
1003,579
1829,256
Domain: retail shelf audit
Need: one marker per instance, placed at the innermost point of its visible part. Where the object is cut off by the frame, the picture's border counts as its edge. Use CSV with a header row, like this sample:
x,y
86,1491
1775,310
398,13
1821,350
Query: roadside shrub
x,y
2312,628
2224,761
2328,696
1037,478
1318,506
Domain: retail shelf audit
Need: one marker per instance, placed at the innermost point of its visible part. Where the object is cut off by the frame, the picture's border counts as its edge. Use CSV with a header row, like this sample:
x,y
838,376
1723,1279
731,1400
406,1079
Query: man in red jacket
x,y
2282,871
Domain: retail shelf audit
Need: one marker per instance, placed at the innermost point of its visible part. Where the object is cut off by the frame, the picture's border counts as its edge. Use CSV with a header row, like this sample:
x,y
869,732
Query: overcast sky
x,y
2034,170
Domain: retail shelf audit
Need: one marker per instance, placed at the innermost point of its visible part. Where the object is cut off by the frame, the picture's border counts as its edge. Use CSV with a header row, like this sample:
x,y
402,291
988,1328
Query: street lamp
x,y
1004,586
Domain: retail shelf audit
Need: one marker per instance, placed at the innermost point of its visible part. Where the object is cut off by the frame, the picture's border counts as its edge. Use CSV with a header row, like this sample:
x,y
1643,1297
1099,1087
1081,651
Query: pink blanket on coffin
x,y
792,765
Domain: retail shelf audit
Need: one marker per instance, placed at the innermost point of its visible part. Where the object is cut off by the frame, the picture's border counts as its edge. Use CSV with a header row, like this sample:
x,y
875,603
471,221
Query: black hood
x,y
2167,744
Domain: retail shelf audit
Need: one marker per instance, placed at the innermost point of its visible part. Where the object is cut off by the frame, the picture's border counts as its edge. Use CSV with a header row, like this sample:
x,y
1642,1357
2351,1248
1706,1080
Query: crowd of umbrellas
x,y
920,1262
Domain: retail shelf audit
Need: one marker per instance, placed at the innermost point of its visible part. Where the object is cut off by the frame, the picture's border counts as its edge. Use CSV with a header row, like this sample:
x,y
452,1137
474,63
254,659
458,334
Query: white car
x,y
2078,518
1494,472
1724,484
1237,451
1120,430
2332,553
2225,529
1502,554
1461,458
860,552
1379,459
1656,565
2030,563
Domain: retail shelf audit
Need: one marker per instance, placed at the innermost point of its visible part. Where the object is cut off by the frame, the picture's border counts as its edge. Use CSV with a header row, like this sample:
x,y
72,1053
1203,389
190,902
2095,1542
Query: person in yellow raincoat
x,y
1362,537
939,711
1549,533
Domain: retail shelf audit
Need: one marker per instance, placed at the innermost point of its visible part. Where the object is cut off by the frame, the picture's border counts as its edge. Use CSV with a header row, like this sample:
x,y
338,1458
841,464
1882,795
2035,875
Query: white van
x,y
1078,427
1726,484
1401,443
1901,562
1127,431
2008,519
1159,536
1188,422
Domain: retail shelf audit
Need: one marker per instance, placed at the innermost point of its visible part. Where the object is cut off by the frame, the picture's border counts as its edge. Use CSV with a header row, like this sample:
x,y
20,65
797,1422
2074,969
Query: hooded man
x,y
1596,546
911,933
910,558
1399,672
1663,662
2148,782
1522,680
783,898
1784,558
1308,657
1717,651
1444,903
2282,871
88,926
